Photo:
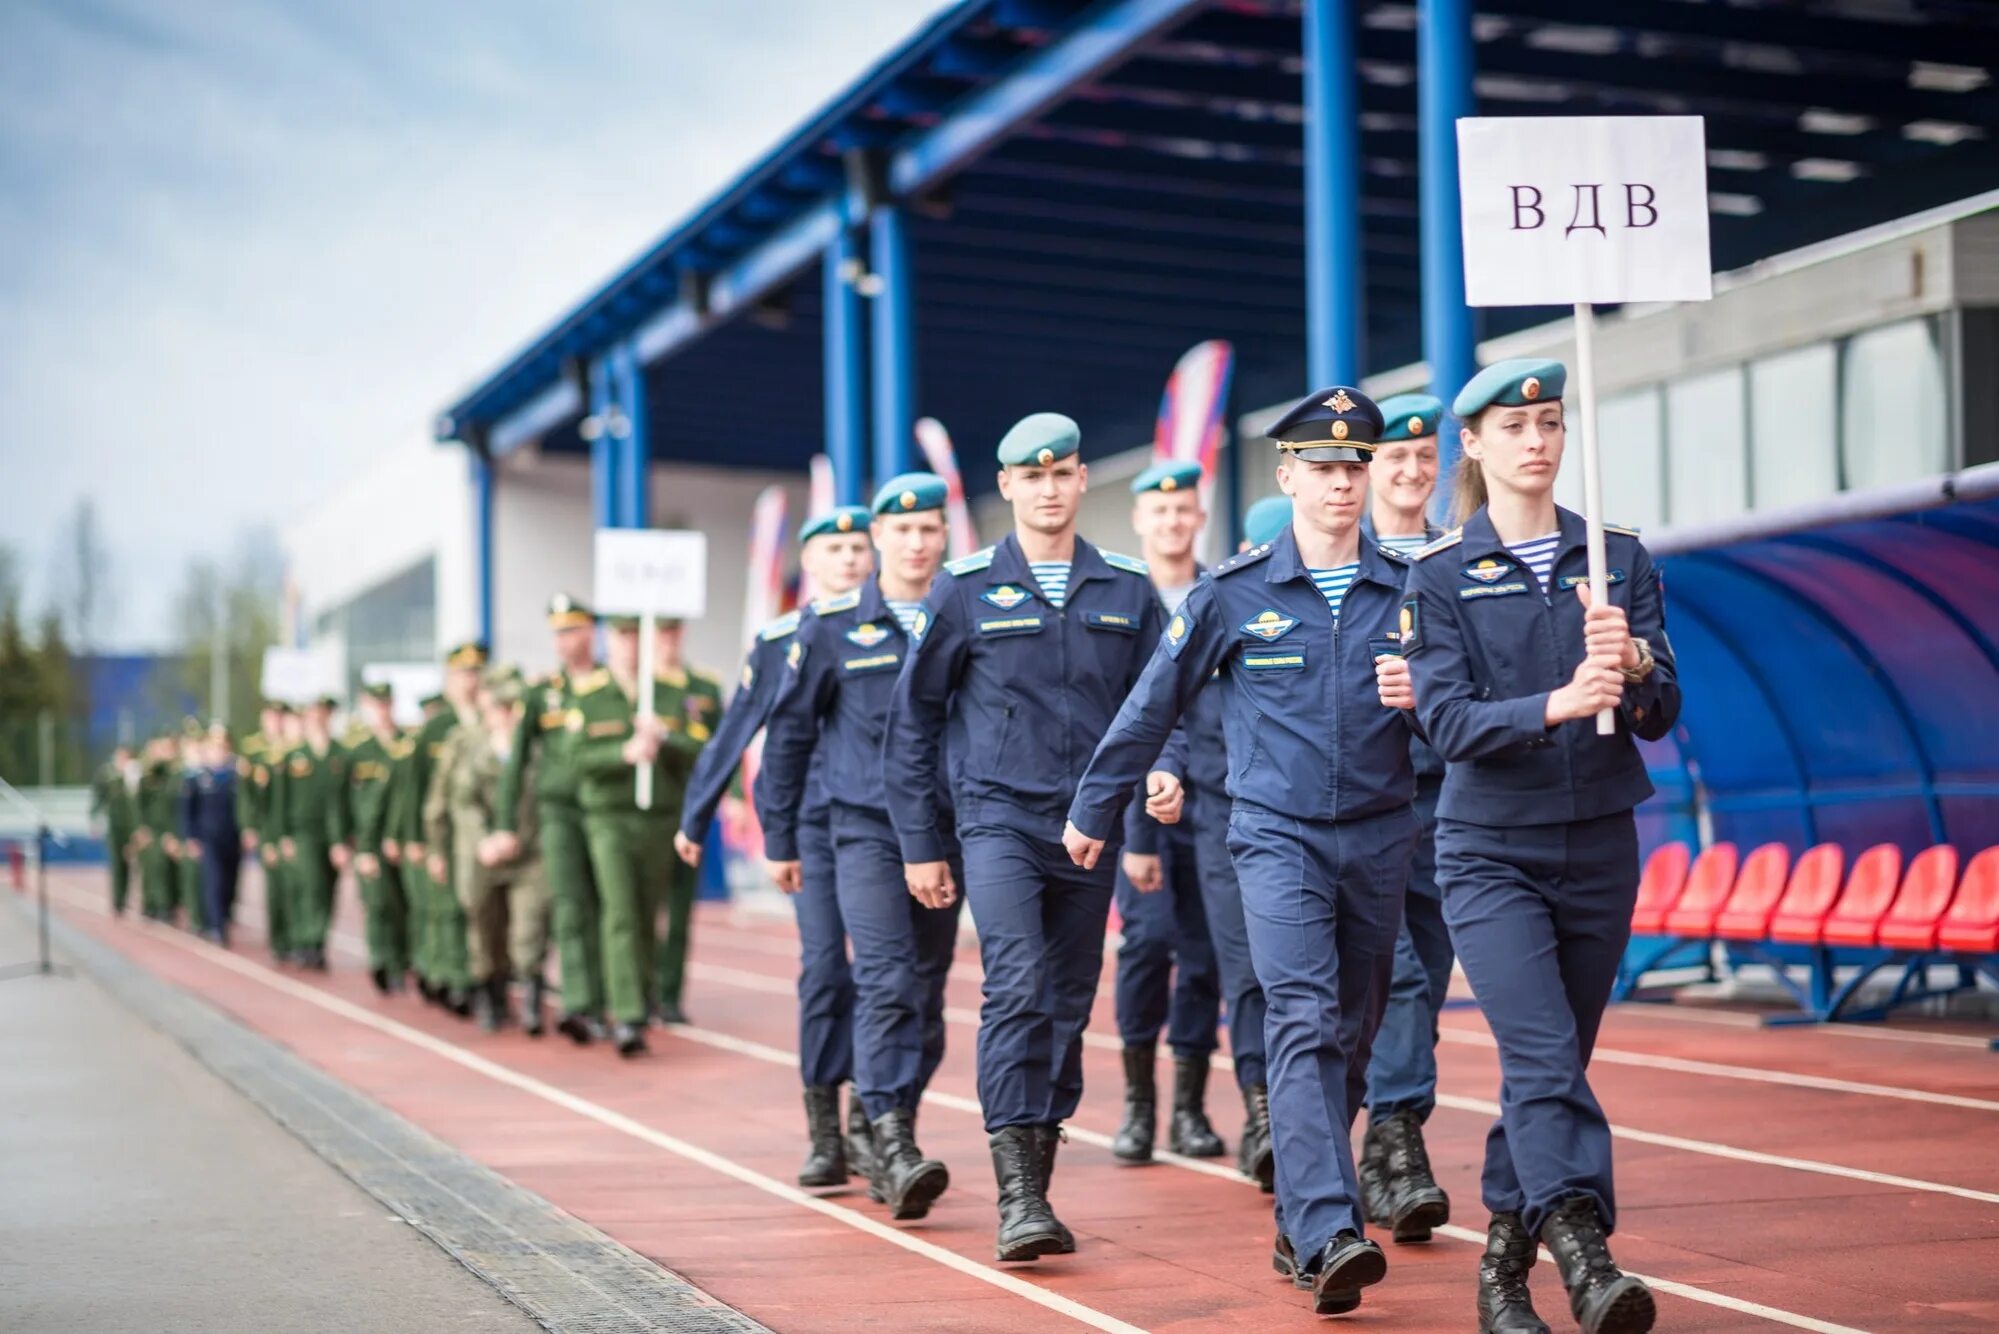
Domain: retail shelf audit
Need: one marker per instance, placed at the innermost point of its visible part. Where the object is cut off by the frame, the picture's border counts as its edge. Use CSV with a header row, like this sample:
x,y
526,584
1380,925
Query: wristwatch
x,y
1646,661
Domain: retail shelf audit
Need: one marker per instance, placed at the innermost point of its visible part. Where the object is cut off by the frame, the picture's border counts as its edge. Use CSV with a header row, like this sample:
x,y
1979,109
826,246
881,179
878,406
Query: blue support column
x,y
1445,66
634,440
482,539
603,448
846,384
1335,284
894,342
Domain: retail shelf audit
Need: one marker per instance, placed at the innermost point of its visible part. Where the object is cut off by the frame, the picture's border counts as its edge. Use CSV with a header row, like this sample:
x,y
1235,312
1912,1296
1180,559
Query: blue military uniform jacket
x,y
836,695
1293,680
1024,690
208,808
748,710
1429,764
1486,647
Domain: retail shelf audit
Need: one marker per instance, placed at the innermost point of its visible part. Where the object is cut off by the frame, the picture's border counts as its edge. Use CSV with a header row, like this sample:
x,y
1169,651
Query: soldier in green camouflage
x,y
371,760
308,802
438,930
694,699
114,799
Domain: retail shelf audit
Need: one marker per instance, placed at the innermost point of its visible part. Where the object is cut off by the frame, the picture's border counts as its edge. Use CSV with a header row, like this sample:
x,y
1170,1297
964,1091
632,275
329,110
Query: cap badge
x,y
1415,426
1045,457
1530,388
1169,484
1339,430
1340,402
845,523
908,500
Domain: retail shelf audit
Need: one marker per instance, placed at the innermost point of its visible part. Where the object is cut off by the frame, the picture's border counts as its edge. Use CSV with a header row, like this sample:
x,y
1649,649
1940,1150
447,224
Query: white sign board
x,y
1560,210
643,570
409,683
296,675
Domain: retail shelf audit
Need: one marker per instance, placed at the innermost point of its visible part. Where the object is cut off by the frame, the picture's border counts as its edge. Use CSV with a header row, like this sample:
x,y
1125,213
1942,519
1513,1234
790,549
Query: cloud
x,y
249,245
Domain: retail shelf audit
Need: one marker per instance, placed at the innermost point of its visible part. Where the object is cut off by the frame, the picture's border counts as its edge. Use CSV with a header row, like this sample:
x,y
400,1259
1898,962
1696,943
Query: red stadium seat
x,y
1766,879
1708,886
1911,923
1971,926
1659,887
1801,912
1870,888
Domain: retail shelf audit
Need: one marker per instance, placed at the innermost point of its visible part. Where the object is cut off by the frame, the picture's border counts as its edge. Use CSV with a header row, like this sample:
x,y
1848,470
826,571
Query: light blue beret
x,y
1410,417
1172,475
1039,439
910,493
1266,519
1512,384
844,519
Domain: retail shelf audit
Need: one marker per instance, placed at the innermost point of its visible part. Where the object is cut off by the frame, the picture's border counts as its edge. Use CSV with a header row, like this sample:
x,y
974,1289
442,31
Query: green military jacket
x,y
158,806
543,744
600,721
411,783
117,803
370,764
253,782
309,795
466,792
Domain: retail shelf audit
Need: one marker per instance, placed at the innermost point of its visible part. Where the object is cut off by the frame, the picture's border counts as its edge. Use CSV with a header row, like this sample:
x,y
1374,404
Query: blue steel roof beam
x,y
739,285
1044,16
1064,245
1085,162
1167,301
978,59
1114,224
1384,197
1105,35
1088,279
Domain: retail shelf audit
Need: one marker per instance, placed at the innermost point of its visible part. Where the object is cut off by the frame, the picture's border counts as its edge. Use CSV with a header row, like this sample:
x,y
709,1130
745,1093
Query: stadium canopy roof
x,y
1093,187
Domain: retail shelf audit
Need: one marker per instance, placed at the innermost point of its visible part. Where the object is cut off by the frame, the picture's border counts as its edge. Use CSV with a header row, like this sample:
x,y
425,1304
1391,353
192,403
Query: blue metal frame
x,y
482,539
604,479
1446,63
845,366
1335,309
634,501
892,319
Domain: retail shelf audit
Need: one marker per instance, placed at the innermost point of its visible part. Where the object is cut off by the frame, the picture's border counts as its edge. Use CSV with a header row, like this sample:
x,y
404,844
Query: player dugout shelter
x,y
1035,204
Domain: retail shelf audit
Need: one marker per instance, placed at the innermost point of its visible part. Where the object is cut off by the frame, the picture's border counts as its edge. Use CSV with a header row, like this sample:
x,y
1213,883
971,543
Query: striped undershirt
x,y
1405,543
1538,555
1333,583
1053,576
905,613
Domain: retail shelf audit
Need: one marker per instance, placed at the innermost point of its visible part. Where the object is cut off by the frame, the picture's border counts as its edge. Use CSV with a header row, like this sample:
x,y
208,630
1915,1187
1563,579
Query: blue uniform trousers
x,y
1323,901
1158,931
1402,1074
902,957
825,984
220,864
1540,915
1041,922
1228,934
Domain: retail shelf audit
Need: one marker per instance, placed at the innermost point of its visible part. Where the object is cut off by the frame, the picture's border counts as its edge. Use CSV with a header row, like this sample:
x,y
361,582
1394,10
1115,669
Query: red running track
x,y
1789,1179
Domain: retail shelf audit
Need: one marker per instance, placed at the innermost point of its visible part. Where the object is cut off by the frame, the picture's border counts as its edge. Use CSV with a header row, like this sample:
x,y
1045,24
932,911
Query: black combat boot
x,y
485,1012
1190,1135
1141,1106
458,1000
861,1136
380,977
535,993
1256,1156
631,1038
1372,1170
1413,1202
909,1182
1603,1298
1027,1226
826,1162
1505,1306
1047,1139
577,1028
1285,1261
1340,1271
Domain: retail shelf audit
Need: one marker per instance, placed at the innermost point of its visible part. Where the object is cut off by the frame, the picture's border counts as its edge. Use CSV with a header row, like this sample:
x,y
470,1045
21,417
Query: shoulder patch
x,y
1444,543
1243,559
1393,556
779,628
1620,528
1119,561
594,681
837,602
971,564
704,678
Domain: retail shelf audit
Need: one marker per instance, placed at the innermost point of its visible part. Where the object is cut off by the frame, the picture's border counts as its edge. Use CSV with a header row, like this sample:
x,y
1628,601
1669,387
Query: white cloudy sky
x,y
247,244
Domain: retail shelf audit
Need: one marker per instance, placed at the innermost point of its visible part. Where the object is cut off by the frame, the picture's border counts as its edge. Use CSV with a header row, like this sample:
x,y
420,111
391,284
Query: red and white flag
x,y
1190,423
764,599
935,442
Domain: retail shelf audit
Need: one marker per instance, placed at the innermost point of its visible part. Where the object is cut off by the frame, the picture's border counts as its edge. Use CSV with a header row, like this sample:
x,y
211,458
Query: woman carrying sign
x,y
1537,851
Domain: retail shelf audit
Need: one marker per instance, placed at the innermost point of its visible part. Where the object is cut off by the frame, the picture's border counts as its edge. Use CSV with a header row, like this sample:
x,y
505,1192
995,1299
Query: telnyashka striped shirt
x,y
1053,576
1334,582
1538,555
1406,544
905,613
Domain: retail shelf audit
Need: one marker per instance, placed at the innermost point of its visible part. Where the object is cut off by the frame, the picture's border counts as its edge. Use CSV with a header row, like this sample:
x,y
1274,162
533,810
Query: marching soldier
x,y
1399,1190
542,744
281,736
193,757
835,555
210,833
1165,960
1022,652
693,699
155,837
827,732
309,795
1537,851
437,922
371,763
114,799
1321,831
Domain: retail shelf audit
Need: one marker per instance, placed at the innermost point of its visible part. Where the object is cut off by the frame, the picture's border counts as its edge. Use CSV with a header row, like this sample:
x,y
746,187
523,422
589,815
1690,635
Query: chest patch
x,y
876,663
1571,580
301,768
866,635
1010,625
1005,596
1111,620
1269,625
1276,660
1487,570
1491,590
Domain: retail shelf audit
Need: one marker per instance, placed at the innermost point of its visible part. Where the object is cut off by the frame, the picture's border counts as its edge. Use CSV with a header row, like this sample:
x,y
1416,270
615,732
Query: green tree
x,y
231,607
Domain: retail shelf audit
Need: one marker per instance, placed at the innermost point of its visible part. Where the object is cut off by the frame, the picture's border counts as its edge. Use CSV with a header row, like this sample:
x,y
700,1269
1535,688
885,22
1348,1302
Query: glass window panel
x,y
1633,442
1794,426
1893,406
1707,469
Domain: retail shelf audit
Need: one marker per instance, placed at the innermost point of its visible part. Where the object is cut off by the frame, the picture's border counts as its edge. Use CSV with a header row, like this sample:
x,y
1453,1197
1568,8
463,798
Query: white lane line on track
x,y
618,1121
1749,1073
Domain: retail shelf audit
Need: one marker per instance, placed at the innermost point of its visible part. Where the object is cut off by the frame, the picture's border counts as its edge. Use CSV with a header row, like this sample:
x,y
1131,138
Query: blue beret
x,y
910,493
844,519
1266,519
1039,439
1512,384
1335,425
1173,475
1410,417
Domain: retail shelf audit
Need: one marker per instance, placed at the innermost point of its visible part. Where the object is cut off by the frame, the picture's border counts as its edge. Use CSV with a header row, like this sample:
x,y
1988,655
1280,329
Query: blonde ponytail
x,y
1468,493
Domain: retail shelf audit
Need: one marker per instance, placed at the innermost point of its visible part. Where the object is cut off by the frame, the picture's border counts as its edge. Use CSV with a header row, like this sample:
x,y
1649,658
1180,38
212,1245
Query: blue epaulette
x,y
971,564
1129,564
846,601
1243,559
1620,528
784,625
1444,543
